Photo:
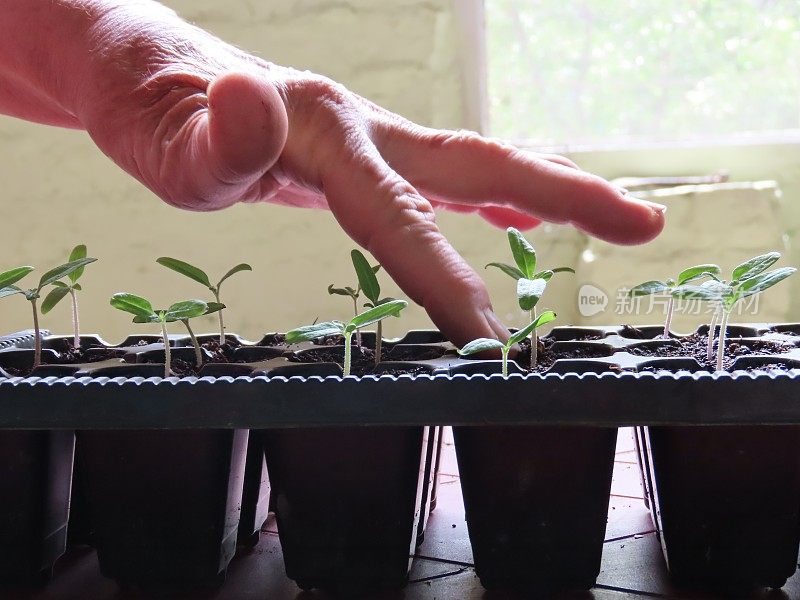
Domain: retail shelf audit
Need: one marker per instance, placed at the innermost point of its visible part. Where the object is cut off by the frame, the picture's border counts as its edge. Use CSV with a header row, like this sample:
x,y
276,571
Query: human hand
x,y
205,125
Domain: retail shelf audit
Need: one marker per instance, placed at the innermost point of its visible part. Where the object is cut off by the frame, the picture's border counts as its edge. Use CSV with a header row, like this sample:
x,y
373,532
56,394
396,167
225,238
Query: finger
x,y
506,217
468,169
496,215
218,155
385,214
556,158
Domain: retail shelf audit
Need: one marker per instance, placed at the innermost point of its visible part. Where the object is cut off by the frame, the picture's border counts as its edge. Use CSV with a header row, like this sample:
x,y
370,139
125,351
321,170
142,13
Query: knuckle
x,y
407,214
463,138
315,92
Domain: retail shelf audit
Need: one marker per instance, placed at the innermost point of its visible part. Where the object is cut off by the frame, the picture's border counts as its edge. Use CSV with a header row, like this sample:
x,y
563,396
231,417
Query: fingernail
x,y
659,208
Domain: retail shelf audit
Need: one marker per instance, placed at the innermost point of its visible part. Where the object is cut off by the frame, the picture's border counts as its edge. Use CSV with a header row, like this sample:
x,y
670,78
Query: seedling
x,y
368,317
747,279
361,265
144,312
201,277
671,285
368,283
61,289
531,283
484,344
7,288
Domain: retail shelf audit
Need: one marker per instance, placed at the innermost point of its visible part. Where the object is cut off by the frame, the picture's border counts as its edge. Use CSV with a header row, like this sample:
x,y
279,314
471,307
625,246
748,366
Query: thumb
x,y
247,126
225,151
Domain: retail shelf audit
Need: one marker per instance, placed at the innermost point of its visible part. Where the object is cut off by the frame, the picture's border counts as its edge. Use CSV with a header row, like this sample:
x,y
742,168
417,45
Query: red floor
x,y
632,566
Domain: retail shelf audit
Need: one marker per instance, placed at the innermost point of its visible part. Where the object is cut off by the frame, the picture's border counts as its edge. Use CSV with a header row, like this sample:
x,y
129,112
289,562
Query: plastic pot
x,y
727,503
165,503
536,502
347,503
35,479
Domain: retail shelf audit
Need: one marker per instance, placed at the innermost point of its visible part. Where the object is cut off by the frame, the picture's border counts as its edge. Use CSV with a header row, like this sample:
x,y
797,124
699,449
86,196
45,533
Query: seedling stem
x,y
37,343
76,343
198,355
712,326
167,353
668,322
723,330
534,341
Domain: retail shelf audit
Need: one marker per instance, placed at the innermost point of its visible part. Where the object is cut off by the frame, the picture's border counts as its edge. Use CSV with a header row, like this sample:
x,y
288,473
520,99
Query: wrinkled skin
x,y
205,125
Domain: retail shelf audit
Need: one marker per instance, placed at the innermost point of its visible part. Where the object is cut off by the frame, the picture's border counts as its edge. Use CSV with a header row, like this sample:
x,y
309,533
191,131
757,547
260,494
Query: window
x,y
567,72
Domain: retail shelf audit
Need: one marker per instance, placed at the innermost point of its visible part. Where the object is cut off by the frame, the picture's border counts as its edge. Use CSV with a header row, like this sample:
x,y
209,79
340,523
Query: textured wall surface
x,y
58,189
692,236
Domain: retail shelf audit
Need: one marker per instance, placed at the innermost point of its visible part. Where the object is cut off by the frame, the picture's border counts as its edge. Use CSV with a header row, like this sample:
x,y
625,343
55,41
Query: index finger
x,y
465,168
385,214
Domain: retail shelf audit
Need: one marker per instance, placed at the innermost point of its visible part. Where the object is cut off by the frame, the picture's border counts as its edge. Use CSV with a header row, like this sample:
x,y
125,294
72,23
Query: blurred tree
x,y
589,71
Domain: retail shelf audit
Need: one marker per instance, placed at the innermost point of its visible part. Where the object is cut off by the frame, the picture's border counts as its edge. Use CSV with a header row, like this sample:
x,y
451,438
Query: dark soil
x,y
333,340
547,355
86,354
634,333
406,353
183,368
696,346
363,359
277,340
220,353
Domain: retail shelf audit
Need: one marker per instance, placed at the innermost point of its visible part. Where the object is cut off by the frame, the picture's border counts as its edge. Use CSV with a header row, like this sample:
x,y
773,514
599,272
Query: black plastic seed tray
x,y
276,386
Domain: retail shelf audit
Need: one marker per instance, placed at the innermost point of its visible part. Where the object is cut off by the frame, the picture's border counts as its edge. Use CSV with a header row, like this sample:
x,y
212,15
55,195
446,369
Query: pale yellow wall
x,y
777,160
59,190
411,56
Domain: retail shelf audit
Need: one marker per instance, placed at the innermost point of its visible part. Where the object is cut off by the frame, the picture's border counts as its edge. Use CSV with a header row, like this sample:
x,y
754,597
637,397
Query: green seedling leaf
x,y
543,319
648,287
547,274
213,307
345,291
754,266
718,286
77,287
481,345
187,309
529,291
131,303
62,271
312,332
54,297
523,252
509,270
10,291
366,276
237,269
186,270
764,281
154,318
377,313
696,292
60,284
78,252
12,276
697,272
